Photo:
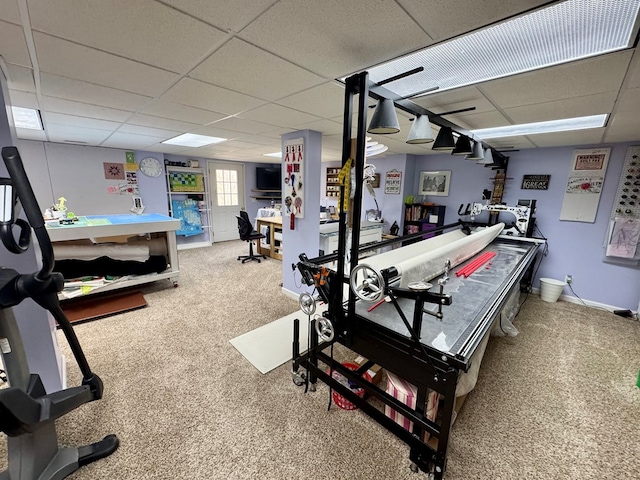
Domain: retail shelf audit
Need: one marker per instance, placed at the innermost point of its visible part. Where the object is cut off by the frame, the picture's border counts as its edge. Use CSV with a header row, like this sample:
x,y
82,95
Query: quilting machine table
x,y
430,336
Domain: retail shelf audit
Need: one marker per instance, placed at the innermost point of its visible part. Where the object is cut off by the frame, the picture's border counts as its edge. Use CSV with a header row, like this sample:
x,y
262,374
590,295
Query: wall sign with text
x,y
535,182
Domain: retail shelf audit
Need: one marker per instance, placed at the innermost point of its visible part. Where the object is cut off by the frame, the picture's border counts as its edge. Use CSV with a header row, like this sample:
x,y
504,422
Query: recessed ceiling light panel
x,y
553,35
563,125
193,140
26,118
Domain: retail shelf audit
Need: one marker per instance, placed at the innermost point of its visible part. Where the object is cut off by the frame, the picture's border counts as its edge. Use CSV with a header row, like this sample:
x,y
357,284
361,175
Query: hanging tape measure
x,y
344,177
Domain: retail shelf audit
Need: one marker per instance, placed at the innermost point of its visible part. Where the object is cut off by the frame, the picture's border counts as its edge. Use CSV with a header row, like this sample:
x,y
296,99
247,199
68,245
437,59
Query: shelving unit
x,y
333,184
189,183
267,194
422,218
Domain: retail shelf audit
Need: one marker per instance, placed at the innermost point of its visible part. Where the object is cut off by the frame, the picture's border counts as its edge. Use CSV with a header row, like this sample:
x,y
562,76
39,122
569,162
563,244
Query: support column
x,y
37,327
304,237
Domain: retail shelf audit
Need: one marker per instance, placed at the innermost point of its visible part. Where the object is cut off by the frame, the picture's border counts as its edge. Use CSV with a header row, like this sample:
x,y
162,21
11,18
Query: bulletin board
x,y
622,243
584,186
293,172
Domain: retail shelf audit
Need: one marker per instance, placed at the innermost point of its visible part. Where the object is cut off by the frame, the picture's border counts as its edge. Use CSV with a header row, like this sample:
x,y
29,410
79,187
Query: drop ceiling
x,y
123,74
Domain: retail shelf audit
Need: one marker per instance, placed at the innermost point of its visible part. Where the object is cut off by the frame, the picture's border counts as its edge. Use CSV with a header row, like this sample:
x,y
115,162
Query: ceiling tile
x,y
130,140
327,127
581,137
30,134
448,18
60,105
629,100
334,38
474,120
74,121
259,140
144,30
278,116
214,131
242,125
465,97
326,101
175,111
565,108
70,89
277,78
577,79
209,97
233,16
152,132
23,99
67,134
237,144
21,78
165,148
623,127
9,11
68,59
633,76
164,123
13,46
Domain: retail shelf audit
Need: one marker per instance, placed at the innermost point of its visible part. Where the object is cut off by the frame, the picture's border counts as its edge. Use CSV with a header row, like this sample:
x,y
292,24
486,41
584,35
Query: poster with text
x,y
294,177
584,185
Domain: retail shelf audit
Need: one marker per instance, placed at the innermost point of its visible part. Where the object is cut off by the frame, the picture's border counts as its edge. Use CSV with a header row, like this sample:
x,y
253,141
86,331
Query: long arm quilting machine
x,y
432,329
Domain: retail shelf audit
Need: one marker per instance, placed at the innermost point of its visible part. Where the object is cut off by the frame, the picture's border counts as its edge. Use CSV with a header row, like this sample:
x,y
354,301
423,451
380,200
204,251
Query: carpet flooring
x,y
558,401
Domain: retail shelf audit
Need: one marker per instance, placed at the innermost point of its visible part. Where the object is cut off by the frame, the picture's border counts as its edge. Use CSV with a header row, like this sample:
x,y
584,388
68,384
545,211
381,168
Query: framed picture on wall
x,y
435,183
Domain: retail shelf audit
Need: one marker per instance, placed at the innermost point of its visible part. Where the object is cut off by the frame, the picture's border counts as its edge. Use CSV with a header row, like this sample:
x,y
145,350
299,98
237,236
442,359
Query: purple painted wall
x,y
575,248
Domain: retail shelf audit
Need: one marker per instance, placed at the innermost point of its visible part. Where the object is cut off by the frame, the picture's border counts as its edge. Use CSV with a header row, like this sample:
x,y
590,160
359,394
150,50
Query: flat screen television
x,y
269,178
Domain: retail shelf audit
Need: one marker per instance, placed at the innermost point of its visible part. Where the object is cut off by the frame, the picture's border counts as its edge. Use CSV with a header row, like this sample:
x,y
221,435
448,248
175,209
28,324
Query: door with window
x,y
226,184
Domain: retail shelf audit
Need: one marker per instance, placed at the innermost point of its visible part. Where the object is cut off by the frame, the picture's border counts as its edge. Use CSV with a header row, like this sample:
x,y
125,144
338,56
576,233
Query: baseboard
x,y
290,294
588,303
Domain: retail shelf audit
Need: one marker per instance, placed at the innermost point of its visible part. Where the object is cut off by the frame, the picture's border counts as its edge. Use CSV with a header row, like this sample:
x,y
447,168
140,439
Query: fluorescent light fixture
x,y
275,154
552,35
563,125
193,140
27,118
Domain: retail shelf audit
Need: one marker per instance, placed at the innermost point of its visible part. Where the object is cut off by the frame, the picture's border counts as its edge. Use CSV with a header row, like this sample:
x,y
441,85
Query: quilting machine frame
x,y
399,351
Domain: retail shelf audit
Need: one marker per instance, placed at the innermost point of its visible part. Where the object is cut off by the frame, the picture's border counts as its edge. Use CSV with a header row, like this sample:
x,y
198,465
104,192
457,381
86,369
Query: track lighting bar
x,y
400,75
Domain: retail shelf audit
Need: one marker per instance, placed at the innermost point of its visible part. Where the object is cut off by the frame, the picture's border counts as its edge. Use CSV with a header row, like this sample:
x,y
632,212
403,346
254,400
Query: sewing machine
x,y
523,212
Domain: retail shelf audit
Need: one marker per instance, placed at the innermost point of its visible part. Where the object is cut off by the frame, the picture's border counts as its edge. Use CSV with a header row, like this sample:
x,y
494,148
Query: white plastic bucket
x,y
550,289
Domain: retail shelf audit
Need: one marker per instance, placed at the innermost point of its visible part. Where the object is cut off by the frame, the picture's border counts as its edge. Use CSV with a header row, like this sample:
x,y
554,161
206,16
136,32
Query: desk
x,y
96,226
274,249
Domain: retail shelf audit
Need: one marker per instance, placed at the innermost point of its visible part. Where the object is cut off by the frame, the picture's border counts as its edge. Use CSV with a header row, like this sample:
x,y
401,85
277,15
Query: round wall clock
x,y
151,167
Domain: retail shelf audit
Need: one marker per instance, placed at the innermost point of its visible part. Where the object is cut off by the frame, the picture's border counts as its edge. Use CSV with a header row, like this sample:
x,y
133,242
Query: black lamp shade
x,y
384,120
463,146
444,140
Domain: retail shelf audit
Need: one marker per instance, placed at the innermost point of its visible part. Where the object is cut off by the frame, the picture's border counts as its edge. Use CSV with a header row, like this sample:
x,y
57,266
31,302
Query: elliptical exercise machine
x,y
27,412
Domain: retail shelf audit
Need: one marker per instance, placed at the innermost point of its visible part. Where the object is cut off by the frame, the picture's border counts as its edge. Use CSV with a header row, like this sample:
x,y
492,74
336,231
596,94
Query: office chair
x,y
248,234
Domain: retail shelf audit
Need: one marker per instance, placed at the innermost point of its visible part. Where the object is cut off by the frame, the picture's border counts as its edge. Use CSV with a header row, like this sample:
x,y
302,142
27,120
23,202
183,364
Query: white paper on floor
x,y
270,346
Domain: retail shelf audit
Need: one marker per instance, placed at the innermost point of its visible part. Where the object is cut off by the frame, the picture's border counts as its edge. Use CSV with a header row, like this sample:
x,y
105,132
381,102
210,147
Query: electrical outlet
x,y
568,279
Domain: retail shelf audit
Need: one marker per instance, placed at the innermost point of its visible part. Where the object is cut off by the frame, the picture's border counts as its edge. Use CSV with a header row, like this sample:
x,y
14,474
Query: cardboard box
x,y
375,372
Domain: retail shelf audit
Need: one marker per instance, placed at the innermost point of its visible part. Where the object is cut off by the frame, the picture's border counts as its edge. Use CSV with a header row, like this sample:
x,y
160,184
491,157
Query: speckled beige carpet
x,y
558,401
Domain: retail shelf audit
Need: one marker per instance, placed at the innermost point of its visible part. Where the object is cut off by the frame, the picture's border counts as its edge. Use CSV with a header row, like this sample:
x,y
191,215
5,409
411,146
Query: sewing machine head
x,y
518,228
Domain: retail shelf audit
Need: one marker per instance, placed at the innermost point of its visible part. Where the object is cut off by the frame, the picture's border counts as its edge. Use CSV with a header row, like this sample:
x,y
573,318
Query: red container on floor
x,y
338,399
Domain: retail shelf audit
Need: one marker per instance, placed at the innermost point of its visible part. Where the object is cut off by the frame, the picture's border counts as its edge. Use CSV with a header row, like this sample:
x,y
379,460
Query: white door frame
x,y
229,230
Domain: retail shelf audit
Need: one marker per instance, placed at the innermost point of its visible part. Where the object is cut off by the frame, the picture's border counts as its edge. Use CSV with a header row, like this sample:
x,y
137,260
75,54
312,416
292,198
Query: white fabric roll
x,y
425,260
138,253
